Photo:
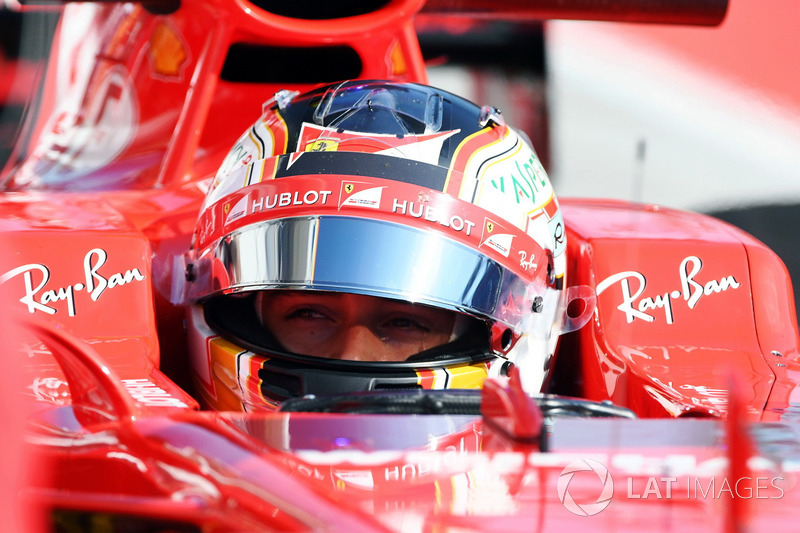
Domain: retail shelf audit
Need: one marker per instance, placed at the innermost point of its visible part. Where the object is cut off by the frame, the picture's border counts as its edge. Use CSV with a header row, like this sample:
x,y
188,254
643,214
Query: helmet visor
x,y
364,256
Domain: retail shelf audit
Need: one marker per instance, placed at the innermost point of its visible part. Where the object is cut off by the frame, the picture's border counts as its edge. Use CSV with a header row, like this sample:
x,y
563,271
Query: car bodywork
x,y
687,372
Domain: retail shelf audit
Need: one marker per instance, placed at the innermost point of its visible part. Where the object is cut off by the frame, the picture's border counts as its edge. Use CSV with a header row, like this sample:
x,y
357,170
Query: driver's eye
x,y
406,323
306,313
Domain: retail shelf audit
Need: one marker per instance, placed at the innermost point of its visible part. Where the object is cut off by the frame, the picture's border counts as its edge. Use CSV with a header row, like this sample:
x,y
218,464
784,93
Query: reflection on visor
x,y
363,256
381,108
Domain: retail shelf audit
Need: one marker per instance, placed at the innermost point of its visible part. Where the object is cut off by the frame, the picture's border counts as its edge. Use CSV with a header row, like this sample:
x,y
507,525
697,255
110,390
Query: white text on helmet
x,y
526,181
430,213
286,198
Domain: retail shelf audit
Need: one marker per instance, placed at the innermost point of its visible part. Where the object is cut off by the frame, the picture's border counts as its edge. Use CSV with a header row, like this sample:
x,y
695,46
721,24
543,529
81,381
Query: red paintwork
x,y
88,268
710,280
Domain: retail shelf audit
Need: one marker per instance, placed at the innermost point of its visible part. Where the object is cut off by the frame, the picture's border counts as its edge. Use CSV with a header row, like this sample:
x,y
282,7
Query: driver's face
x,y
354,327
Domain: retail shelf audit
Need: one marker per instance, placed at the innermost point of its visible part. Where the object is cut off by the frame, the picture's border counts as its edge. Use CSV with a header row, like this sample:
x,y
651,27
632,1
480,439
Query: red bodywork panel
x,y
667,283
694,319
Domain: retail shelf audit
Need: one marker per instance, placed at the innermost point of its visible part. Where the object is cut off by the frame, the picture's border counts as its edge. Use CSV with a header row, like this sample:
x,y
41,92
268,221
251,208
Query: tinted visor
x,y
363,256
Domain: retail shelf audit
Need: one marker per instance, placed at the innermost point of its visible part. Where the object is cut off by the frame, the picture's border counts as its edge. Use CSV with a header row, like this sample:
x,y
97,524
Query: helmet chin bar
x,y
282,374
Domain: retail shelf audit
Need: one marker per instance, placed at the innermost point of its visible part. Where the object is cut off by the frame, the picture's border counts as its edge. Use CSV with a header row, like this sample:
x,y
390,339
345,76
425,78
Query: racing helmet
x,y
384,189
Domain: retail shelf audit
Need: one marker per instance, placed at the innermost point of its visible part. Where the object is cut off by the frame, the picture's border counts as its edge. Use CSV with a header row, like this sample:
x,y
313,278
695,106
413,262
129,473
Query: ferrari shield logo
x,y
322,145
500,242
360,195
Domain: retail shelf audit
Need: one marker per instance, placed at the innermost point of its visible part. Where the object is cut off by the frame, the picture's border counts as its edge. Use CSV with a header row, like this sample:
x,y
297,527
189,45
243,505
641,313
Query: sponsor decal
x,y
431,214
50,389
354,478
430,208
39,297
525,181
33,350
146,392
496,237
718,397
285,199
358,194
206,225
526,260
254,202
635,305
322,145
55,390
236,211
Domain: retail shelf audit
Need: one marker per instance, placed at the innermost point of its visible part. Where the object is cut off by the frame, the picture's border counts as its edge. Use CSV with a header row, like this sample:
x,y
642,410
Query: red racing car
x,y
259,275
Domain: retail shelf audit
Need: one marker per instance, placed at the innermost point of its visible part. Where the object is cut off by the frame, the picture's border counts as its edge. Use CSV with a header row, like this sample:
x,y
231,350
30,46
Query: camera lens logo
x,y
604,478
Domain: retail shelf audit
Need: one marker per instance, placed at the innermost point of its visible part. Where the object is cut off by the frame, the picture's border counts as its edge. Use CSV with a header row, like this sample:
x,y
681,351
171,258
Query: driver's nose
x,y
360,343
